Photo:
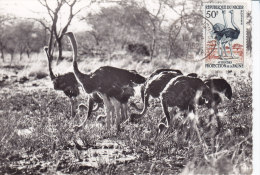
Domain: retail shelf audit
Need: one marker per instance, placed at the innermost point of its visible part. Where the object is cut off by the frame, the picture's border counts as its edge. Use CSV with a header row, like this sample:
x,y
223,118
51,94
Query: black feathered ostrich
x,y
227,35
110,82
69,85
184,92
158,71
218,86
123,98
153,86
230,34
217,28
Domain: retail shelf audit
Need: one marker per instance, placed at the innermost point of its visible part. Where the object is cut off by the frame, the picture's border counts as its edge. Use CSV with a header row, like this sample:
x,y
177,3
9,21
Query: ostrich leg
x,y
108,110
124,109
231,49
122,112
72,107
101,118
224,48
117,109
219,50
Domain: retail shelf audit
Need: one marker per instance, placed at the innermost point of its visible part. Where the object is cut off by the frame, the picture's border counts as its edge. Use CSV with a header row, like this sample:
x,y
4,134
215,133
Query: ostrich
x,y
123,98
224,35
158,71
69,85
153,86
110,82
218,86
186,93
192,75
217,28
229,34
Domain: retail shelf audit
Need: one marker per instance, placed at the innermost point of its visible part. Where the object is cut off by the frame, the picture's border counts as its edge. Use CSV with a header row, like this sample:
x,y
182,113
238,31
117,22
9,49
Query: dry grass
x,y
36,136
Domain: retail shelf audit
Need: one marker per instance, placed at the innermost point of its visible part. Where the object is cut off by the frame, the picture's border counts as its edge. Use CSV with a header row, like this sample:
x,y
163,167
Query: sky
x,y
33,9
22,8
25,8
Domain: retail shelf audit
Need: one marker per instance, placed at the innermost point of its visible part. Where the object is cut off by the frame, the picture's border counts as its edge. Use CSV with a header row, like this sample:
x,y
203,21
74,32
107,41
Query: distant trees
x,y
3,20
19,37
150,23
135,23
142,23
30,38
114,27
131,25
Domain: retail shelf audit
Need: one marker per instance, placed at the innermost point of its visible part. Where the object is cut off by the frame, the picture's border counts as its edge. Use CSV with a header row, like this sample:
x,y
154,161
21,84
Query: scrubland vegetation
x,y
36,131
37,136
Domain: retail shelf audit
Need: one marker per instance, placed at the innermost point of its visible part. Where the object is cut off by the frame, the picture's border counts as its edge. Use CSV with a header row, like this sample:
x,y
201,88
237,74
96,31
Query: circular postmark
x,y
187,37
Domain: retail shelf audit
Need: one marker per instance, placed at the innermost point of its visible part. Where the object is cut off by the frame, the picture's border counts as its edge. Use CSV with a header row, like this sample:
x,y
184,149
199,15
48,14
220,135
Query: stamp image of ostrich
x,y
224,35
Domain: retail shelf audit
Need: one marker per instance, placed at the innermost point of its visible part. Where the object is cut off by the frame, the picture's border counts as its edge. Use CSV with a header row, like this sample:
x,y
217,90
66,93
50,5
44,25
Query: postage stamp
x,y
225,35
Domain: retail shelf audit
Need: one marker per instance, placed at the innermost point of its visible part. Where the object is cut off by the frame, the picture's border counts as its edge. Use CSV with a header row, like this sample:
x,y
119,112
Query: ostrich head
x,y
193,75
228,92
162,126
205,96
63,82
58,83
223,11
45,48
215,29
231,11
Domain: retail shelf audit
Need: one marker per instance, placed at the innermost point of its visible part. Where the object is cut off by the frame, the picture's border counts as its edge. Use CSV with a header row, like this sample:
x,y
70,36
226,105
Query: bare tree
x,y
174,30
186,14
151,25
56,33
156,22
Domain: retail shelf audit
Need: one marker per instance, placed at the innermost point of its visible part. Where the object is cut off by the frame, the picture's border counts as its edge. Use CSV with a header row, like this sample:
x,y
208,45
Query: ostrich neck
x,y
225,22
84,79
233,23
76,70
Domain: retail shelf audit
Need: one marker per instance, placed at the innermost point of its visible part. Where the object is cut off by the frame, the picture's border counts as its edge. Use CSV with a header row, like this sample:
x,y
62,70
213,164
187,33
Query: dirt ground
x,y
37,137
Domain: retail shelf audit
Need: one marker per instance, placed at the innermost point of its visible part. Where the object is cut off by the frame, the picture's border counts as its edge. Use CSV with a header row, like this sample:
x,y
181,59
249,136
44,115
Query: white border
x,y
246,59
256,85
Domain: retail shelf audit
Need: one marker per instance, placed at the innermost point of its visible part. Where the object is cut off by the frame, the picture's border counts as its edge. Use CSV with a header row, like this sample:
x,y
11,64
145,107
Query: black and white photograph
x,y
149,87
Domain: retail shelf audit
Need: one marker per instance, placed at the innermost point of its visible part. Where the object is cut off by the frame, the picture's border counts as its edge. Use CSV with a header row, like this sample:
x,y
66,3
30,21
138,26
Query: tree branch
x,y
42,23
46,5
